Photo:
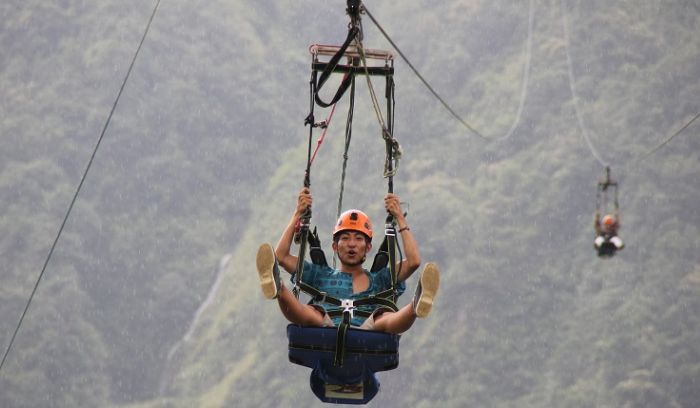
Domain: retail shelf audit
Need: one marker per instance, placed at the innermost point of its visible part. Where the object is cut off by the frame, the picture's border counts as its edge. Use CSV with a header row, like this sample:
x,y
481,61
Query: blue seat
x,y
354,382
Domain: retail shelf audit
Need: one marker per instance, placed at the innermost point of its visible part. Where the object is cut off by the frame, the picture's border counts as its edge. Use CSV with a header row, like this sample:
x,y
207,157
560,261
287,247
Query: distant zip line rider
x,y
352,240
607,242
606,230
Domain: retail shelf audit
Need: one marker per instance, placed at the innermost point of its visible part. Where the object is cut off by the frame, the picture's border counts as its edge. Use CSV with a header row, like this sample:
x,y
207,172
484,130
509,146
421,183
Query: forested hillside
x,y
150,297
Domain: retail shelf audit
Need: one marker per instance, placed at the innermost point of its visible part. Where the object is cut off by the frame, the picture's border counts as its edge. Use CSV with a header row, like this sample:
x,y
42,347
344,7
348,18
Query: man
x,y
606,231
352,241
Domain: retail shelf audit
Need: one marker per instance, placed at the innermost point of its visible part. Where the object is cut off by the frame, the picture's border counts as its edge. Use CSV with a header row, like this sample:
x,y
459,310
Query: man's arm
x,y
283,250
412,260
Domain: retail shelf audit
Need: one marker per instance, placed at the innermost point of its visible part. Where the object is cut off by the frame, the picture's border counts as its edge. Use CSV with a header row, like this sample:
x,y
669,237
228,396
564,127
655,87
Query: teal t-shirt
x,y
339,285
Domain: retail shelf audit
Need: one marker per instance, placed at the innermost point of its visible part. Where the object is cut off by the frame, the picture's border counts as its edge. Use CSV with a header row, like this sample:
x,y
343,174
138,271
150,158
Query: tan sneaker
x,y
427,289
268,271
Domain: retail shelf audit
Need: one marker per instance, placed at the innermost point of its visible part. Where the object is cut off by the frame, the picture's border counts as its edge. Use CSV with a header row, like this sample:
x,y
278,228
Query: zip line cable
x,y
579,116
415,71
572,86
665,142
525,80
526,73
662,144
80,185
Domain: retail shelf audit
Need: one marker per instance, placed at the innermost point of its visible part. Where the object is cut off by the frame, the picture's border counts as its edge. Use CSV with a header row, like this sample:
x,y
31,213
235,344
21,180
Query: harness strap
x,y
330,67
348,312
382,299
340,342
390,233
303,239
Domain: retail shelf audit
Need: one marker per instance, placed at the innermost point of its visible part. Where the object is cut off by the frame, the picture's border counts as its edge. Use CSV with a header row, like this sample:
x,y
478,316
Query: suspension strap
x,y
301,237
602,194
393,153
323,125
341,334
616,204
390,233
330,67
348,137
311,121
387,127
298,275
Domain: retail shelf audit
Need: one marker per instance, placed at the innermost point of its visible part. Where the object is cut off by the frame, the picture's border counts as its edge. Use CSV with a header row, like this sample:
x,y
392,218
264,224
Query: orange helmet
x,y
608,220
354,220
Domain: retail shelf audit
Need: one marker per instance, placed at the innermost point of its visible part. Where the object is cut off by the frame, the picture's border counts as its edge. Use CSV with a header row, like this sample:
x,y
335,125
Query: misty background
x,y
151,298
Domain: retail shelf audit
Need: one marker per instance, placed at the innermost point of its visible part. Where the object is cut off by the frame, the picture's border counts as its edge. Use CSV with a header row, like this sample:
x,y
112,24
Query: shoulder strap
x,y
381,259
315,252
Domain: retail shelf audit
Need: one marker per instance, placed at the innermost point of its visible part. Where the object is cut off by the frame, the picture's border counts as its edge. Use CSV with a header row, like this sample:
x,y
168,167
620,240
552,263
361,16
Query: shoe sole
x,y
430,282
265,261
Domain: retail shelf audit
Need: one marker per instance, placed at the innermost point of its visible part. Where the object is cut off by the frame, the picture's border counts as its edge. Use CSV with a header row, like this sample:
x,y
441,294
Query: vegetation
x,y
205,154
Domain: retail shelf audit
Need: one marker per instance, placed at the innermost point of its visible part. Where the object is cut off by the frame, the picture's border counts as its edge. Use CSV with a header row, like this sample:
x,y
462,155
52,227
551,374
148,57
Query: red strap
x,y
323,135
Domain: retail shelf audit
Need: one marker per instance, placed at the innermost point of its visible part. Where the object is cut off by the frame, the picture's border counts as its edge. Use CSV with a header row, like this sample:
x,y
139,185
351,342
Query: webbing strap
x,y
390,234
298,274
375,300
382,299
340,342
330,67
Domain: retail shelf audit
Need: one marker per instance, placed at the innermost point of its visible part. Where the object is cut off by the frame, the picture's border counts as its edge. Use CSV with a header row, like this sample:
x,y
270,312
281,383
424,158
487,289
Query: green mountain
x,y
150,298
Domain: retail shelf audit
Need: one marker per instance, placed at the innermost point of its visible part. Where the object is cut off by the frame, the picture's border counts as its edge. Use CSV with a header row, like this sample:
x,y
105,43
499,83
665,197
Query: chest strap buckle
x,y
348,307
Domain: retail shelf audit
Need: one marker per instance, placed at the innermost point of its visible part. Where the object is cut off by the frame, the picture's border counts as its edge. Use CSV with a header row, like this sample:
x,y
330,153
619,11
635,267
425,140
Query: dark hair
x,y
337,235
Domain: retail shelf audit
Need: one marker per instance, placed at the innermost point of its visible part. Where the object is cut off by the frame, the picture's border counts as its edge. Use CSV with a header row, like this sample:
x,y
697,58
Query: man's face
x,y
351,247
